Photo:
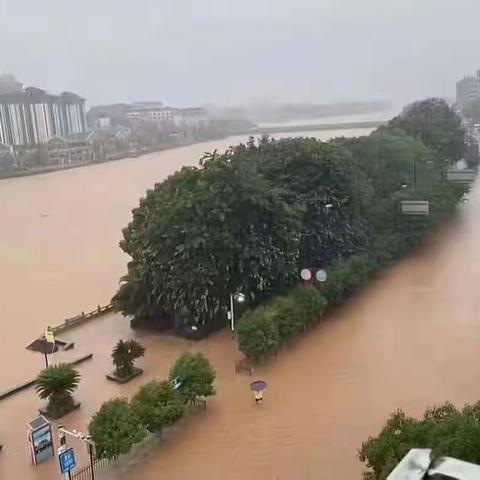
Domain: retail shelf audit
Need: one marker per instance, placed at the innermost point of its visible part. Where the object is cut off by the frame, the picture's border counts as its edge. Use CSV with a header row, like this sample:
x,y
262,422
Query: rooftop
x,y
13,91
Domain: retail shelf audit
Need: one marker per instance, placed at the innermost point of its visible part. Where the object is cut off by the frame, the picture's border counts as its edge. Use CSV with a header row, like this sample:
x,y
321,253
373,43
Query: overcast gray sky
x,y
188,52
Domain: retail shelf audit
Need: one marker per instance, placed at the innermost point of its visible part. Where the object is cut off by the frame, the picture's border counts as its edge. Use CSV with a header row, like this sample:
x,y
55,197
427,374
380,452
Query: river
x,y
410,340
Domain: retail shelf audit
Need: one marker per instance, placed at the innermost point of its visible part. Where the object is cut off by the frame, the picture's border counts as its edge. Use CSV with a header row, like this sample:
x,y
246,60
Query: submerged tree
x,y
116,428
194,375
204,233
158,405
245,222
328,186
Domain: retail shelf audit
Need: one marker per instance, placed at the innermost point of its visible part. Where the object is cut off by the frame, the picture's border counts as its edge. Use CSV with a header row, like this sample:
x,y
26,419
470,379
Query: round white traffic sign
x,y
321,276
306,274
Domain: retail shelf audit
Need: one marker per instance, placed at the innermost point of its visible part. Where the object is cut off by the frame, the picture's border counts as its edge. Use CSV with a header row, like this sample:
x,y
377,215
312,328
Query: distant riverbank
x,y
121,156
318,126
260,130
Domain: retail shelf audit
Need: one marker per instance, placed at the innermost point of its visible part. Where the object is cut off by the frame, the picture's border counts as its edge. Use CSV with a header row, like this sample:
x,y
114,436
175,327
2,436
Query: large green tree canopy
x,y
326,183
334,192
253,216
204,233
436,125
246,221
390,159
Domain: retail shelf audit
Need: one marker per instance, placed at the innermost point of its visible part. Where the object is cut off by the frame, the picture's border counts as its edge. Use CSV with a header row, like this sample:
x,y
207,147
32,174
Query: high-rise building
x,y
468,90
30,116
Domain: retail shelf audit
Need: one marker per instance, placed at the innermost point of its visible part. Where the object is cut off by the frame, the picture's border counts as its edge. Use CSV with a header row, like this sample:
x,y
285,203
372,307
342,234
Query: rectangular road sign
x,y
415,207
67,460
461,176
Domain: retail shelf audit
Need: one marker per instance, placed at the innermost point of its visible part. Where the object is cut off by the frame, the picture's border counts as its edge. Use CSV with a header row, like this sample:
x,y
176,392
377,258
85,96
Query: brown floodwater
x,y
411,340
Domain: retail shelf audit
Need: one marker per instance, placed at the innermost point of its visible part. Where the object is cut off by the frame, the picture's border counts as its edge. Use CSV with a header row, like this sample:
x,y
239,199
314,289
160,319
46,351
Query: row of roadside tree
x,y
120,424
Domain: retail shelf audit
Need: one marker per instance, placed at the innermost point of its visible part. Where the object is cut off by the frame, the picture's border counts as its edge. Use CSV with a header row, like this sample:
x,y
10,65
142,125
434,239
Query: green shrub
x,y
358,271
257,334
195,374
335,288
310,300
345,277
115,428
445,429
158,405
290,318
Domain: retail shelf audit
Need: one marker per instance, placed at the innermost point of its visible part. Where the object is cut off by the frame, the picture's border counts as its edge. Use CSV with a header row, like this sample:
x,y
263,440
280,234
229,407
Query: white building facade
x,y
150,112
32,117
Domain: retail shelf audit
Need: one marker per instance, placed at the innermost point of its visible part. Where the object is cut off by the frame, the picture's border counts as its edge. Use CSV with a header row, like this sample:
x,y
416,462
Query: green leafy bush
x,y
290,318
158,405
115,428
195,375
261,331
445,429
257,334
345,277
310,300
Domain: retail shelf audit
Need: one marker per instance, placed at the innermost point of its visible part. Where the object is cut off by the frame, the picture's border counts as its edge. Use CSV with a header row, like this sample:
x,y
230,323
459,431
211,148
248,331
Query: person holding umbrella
x,y
257,387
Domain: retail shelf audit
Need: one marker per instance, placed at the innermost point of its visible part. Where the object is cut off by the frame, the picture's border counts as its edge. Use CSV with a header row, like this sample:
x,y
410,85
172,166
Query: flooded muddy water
x,y
411,340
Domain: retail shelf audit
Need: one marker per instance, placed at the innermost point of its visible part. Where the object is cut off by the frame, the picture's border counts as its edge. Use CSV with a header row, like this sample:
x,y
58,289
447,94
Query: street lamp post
x,y
240,298
232,316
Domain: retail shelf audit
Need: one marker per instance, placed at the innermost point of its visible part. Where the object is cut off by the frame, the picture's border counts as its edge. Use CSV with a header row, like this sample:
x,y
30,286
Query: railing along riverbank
x,y
81,319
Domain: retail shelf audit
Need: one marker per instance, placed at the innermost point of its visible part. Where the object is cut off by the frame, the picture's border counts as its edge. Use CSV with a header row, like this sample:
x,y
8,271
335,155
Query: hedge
x,y
346,277
257,333
261,331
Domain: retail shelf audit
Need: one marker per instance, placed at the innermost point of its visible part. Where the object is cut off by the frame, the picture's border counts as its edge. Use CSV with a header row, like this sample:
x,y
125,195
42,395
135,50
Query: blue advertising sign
x,y
42,443
67,460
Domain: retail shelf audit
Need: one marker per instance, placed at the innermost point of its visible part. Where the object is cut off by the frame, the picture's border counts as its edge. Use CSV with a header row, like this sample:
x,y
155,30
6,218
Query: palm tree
x,y
57,384
124,354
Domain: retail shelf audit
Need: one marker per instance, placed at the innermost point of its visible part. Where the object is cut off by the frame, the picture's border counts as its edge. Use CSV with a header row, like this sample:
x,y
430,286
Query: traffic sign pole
x,y
85,438
90,452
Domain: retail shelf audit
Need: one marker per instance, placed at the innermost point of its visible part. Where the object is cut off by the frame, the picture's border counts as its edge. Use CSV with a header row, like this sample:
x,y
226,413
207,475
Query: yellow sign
x,y
49,336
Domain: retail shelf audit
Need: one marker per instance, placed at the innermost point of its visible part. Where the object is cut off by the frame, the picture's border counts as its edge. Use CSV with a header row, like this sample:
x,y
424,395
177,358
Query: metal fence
x,y
85,473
